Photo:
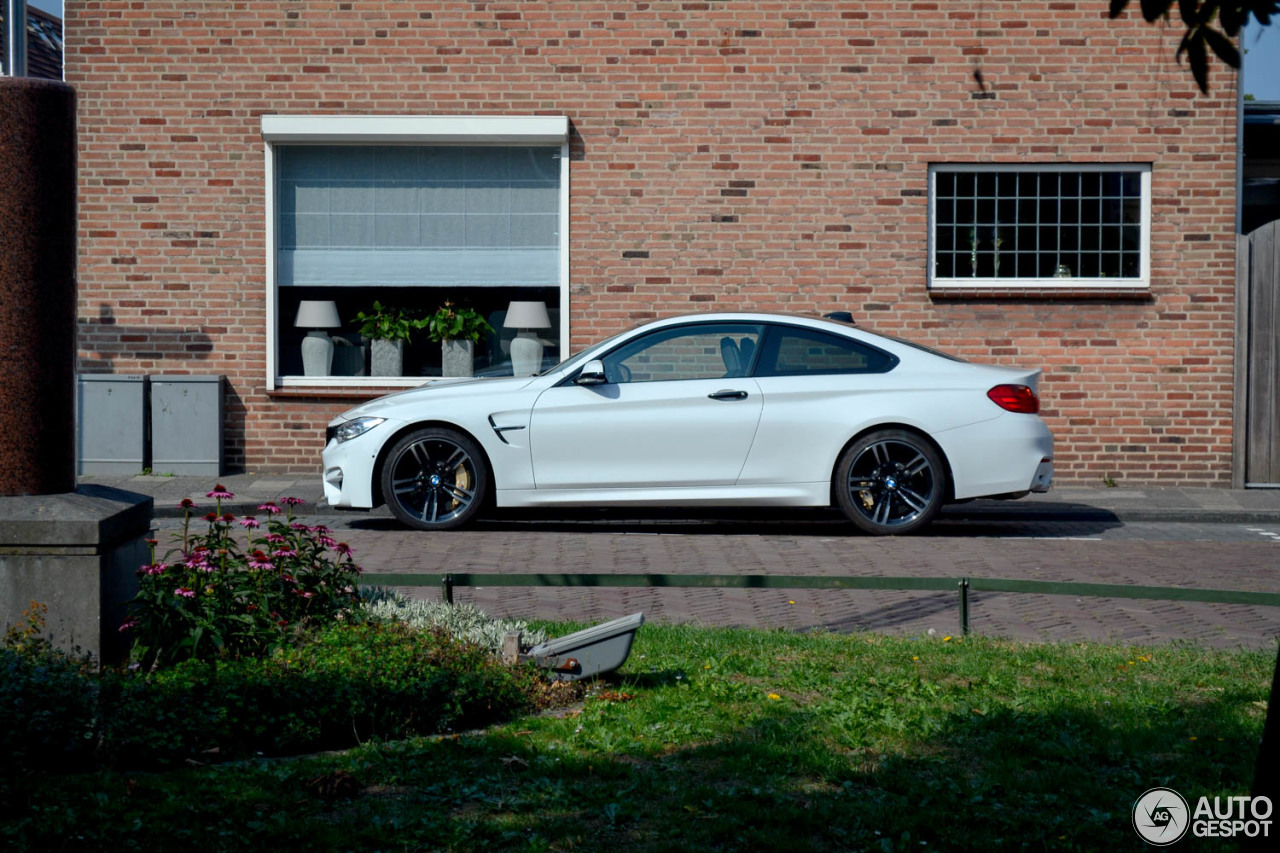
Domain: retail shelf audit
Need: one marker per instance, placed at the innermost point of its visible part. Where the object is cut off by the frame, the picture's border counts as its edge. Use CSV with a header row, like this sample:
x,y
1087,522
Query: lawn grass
x,y
740,740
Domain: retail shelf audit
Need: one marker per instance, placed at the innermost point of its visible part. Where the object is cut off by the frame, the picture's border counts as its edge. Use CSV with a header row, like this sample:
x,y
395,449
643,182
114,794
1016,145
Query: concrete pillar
x,y
73,550
37,286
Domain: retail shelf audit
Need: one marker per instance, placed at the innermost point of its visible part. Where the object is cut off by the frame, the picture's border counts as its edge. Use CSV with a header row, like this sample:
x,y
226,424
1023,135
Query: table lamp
x,y
317,346
526,347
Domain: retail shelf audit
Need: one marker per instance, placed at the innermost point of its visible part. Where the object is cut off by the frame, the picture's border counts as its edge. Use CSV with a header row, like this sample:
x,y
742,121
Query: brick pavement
x,y
1207,538
818,549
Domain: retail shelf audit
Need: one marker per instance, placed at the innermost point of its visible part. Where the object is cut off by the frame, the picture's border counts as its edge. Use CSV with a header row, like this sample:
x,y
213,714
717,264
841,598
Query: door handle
x,y
728,395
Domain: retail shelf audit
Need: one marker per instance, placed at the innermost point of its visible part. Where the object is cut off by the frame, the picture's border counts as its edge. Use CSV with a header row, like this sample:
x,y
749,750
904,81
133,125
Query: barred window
x,y
1039,225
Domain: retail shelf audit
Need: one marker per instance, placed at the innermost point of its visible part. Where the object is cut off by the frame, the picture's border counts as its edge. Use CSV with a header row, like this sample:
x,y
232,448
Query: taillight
x,y
1015,398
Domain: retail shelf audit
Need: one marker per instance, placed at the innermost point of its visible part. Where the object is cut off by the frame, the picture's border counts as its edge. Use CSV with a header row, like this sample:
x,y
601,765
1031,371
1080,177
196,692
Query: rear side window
x,y
793,351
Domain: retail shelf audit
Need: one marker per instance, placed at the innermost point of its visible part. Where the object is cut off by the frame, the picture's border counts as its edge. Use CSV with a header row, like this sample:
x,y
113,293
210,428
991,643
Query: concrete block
x,y
78,554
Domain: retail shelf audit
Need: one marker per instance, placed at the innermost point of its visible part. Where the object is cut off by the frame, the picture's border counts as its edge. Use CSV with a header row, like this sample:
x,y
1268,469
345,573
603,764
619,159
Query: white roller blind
x,y
417,215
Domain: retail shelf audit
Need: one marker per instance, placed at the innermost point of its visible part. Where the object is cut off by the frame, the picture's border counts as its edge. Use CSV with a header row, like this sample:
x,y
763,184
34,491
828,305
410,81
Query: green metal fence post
x,y
964,607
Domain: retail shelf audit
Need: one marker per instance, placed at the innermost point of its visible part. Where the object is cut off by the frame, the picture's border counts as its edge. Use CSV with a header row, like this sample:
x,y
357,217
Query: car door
x,y
820,386
677,410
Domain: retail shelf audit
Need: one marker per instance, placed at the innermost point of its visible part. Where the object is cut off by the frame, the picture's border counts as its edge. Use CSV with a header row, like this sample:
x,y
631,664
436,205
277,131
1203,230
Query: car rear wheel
x,y
890,482
434,479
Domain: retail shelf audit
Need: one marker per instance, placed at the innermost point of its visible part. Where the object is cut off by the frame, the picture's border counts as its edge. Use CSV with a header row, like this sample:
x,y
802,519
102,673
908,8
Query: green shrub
x,y
47,717
464,622
228,593
347,684
48,701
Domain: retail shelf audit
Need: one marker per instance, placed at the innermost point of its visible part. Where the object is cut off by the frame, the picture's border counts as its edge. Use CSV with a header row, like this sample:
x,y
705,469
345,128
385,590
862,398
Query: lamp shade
x,y
527,315
317,314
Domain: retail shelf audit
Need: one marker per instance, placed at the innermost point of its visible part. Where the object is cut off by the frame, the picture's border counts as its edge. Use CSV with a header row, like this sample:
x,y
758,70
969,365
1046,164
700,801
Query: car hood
x,y
437,390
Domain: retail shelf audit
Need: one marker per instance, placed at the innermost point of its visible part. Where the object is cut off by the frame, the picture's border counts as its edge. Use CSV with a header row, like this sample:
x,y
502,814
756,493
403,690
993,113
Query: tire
x,y
435,479
890,482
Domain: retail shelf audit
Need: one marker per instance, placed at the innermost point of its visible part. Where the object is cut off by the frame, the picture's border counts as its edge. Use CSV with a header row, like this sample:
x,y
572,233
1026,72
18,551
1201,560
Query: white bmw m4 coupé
x,y
701,411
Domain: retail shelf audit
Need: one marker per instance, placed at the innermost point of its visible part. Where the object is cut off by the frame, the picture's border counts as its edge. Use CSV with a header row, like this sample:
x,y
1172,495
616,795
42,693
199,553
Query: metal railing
x,y
963,586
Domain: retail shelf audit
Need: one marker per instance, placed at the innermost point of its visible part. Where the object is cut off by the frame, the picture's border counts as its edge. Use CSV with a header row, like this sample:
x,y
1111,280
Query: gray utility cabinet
x,y
186,425
110,424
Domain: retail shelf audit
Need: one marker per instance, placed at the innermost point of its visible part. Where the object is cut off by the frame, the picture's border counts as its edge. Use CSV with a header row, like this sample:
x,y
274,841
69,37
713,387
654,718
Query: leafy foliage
x,y
387,323
450,323
1198,16
464,622
343,685
47,703
232,592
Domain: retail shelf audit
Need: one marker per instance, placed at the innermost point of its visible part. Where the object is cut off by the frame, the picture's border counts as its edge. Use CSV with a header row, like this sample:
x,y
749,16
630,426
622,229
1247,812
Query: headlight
x,y
358,427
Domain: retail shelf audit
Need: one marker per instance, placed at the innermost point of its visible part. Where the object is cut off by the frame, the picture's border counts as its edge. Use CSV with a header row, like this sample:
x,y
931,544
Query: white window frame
x,y
406,130
1139,283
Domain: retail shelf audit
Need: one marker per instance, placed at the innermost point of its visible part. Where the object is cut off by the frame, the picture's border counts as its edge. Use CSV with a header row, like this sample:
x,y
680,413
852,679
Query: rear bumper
x,y
1044,476
1009,454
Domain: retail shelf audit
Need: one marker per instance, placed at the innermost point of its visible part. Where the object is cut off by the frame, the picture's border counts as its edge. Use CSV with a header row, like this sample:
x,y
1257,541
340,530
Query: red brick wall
x,y
727,155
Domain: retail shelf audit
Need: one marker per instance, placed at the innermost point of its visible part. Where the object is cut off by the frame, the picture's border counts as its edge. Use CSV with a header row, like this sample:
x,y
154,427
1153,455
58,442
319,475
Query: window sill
x,y
343,387
1047,292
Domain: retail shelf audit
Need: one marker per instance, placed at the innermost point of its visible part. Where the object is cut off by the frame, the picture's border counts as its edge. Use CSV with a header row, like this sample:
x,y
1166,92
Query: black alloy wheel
x,y
434,479
890,482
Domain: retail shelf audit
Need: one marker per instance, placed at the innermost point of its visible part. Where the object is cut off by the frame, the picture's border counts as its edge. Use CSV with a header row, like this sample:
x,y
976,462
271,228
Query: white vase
x,y
386,358
457,357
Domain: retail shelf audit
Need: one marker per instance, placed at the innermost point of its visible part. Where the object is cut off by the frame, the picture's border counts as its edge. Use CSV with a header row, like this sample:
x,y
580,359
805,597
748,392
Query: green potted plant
x,y
457,330
388,329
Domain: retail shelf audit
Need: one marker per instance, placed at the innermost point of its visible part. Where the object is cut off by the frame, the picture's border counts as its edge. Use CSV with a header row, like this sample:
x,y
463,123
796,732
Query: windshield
x,y
577,358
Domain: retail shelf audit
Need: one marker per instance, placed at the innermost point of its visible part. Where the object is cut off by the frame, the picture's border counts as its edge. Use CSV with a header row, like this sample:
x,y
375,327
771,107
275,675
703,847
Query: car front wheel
x,y
890,482
434,479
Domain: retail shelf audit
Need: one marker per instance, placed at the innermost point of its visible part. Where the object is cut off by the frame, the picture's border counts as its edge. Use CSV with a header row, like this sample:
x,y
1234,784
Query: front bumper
x,y
349,466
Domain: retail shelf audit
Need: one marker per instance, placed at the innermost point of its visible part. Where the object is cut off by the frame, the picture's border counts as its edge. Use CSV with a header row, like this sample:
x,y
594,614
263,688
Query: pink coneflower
x,y
284,552
292,501
258,560
127,625
270,509
307,594
228,518
184,592
154,569
343,550
187,503
199,561
211,517
299,526
250,523
319,528
220,492
327,541
275,538
153,542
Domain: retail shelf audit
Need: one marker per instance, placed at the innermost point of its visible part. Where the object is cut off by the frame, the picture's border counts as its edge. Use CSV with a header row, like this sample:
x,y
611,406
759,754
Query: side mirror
x,y
592,373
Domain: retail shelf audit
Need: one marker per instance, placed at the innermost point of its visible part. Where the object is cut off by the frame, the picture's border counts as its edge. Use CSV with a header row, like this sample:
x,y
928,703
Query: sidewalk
x,y
1065,503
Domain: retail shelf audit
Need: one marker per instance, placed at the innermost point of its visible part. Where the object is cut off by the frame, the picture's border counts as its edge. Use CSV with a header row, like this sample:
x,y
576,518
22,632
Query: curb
x,y
1079,512
237,508
1004,511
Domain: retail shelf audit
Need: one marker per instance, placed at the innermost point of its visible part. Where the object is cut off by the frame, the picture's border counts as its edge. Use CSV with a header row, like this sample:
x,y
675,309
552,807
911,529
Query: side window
x,y
702,351
792,351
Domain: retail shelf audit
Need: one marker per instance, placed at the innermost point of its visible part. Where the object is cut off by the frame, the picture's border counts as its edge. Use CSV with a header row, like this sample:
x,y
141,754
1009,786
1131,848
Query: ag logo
x,y
1161,817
